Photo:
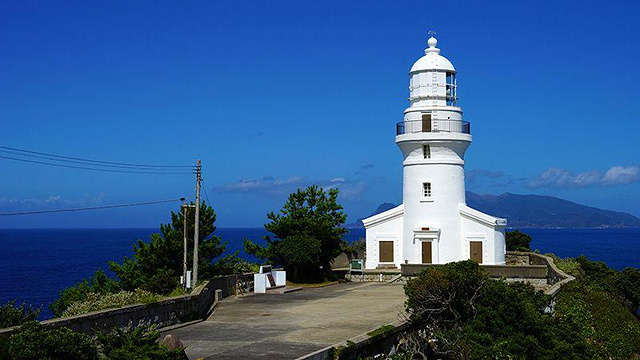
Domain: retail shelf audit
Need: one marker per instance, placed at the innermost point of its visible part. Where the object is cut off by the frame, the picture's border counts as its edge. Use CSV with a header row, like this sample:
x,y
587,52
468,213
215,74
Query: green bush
x,y
156,266
97,301
11,315
99,283
567,265
34,341
517,241
311,219
628,283
140,344
300,255
461,313
609,329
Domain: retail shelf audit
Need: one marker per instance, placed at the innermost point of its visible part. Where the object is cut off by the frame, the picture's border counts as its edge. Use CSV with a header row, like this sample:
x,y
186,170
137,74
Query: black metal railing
x,y
433,126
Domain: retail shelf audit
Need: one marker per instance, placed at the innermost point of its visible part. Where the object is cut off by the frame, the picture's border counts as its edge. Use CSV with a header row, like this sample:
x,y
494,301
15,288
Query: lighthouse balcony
x,y
433,126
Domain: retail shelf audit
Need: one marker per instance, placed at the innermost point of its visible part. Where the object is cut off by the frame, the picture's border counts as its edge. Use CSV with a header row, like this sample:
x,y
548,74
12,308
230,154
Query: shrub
x,y
460,313
609,329
139,343
567,265
10,315
311,219
628,283
97,301
156,266
517,241
99,283
34,341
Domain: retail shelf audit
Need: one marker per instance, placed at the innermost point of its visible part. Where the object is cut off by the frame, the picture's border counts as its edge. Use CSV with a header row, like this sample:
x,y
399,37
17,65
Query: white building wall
x,y
384,229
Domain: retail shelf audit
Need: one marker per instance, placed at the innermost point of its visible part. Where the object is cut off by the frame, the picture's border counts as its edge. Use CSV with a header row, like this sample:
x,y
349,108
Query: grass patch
x,y
567,265
312,285
95,302
381,330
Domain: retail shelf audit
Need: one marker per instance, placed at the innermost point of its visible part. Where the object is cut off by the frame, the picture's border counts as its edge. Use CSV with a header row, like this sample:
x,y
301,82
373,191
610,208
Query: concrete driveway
x,y
286,326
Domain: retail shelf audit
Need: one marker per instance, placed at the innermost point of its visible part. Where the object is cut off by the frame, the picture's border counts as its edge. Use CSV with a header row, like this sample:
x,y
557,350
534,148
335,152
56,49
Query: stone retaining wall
x,y
555,277
171,311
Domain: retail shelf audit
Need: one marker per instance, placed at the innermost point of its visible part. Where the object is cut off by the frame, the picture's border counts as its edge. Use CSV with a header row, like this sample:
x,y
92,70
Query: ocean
x,y
35,264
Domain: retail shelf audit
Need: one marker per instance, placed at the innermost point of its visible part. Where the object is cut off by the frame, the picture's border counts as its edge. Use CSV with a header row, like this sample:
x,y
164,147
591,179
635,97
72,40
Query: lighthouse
x,y
433,225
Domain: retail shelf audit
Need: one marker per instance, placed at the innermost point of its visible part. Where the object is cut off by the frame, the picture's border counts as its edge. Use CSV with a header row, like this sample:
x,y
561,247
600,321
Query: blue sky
x,y
278,95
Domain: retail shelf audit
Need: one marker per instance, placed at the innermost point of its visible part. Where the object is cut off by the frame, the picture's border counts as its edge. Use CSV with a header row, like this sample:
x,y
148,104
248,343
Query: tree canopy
x,y
156,266
518,241
308,233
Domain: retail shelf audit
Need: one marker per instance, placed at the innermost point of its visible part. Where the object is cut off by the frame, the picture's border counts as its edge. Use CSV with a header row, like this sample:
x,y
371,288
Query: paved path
x,y
286,326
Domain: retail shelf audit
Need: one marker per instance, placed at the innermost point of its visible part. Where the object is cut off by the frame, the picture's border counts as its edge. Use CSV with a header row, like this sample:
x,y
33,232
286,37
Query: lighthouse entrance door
x,y
426,252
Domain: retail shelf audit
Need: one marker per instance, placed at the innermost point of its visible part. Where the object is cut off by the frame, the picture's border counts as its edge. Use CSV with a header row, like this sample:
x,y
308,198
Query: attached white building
x,y
434,223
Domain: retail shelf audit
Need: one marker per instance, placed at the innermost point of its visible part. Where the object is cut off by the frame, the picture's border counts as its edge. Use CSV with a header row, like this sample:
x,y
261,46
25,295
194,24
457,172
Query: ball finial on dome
x,y
432,42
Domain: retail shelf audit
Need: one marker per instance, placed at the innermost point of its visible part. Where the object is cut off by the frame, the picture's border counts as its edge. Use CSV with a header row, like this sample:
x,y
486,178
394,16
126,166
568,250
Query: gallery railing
x,y
433,126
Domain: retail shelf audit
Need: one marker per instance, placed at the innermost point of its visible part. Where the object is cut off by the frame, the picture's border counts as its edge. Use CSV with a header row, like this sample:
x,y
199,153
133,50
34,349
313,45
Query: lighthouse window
x,y
451,89
426,151
426,189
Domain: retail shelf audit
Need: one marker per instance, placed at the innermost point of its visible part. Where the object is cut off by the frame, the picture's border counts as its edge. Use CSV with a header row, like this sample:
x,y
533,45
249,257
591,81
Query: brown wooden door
x,y
426,122
476,251
386,251
426,252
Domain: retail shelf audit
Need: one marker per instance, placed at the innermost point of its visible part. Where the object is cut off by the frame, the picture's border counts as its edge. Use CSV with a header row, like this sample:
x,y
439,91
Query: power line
x,y
89,208
72,159
207,195
99,169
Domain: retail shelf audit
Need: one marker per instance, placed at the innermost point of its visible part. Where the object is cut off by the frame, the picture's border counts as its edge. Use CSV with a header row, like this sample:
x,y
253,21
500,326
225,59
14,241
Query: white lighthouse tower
x,y
434,224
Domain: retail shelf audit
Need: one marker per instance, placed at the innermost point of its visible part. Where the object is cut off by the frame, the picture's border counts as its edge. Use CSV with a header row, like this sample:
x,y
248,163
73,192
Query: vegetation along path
x,y
286,326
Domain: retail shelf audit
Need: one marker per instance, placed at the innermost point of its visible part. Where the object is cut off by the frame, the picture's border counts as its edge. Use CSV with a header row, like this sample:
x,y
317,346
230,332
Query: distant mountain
x,y
548,212
539,211
382,208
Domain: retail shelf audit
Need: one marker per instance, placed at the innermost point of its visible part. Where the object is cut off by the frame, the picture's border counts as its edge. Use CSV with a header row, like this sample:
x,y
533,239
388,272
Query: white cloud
x,y
48,202
349,190
561,178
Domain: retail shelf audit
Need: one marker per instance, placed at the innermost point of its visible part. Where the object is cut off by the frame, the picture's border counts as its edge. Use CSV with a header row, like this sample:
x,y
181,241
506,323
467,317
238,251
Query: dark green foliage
x,y
34,341
624,284
99,283
628,283
140,344
300,254
12,315
609,329
156,266
311,220
355,249
517,241
467,315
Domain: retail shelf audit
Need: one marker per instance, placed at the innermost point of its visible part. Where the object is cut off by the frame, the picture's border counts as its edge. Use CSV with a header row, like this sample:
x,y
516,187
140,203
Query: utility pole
x,y
185,212
184,257
197,224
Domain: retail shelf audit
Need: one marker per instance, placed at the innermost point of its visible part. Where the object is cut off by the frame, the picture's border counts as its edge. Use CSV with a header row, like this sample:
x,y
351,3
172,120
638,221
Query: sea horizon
x,y
38,263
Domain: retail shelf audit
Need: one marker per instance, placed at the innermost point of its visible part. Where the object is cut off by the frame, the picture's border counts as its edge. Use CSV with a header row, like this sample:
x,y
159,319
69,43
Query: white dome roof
x,y
432,60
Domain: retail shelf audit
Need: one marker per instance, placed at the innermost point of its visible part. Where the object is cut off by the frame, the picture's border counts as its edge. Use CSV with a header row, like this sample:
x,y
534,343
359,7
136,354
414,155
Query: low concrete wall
x,y
361,346
496,271
555,277
171,311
